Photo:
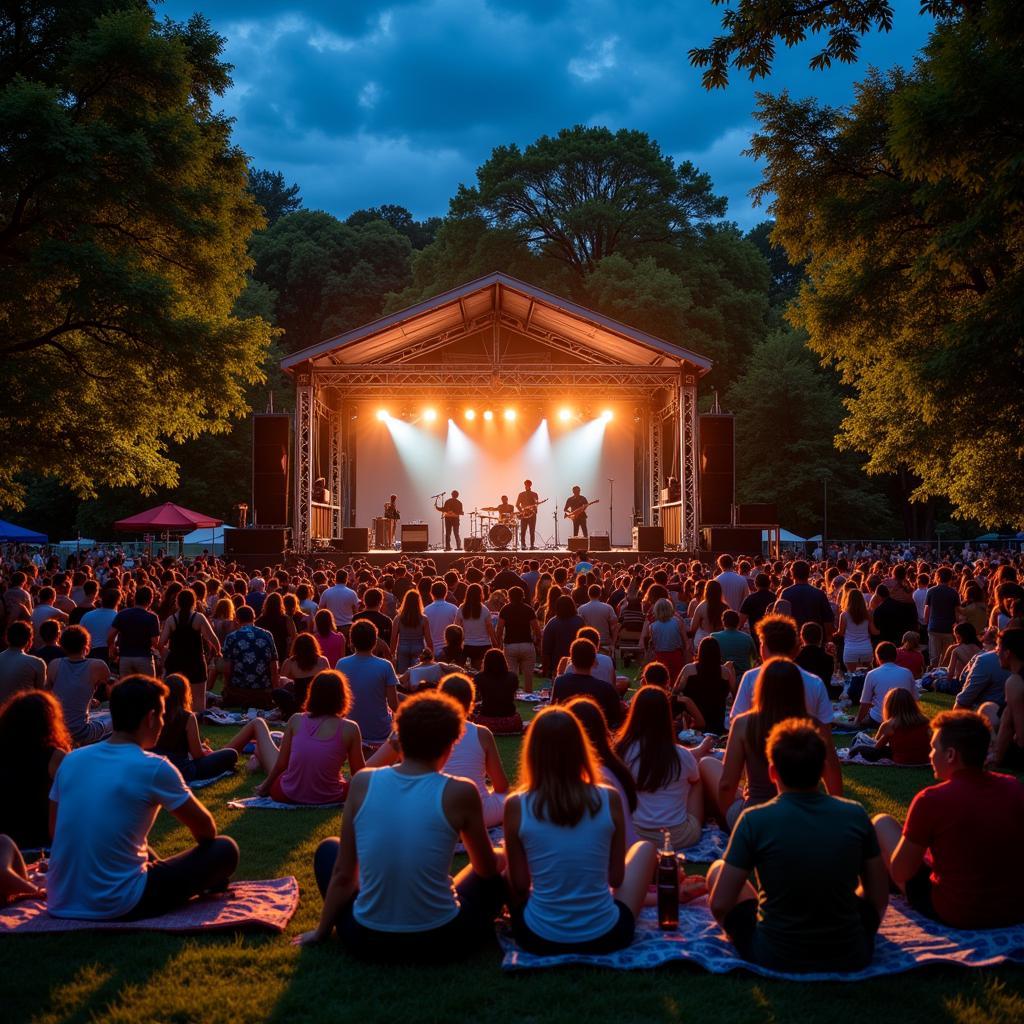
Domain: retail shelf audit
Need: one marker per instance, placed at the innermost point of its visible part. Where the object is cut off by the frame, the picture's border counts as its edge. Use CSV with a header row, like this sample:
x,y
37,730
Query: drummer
x,y
505,509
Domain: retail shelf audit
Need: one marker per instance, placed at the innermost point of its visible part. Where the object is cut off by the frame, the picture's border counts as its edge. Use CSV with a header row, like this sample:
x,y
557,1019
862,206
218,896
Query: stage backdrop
x,y
483,460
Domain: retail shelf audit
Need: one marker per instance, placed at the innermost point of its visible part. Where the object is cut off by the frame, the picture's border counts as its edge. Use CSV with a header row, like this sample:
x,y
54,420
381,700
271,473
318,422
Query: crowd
x,y
390,684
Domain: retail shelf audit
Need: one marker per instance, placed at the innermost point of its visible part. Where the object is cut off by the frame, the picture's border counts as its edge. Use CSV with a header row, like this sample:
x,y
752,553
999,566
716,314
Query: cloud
x,y
366,102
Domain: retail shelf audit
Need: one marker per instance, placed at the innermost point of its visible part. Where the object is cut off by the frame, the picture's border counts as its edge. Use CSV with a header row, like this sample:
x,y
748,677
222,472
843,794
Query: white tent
x,y
785,537
205,539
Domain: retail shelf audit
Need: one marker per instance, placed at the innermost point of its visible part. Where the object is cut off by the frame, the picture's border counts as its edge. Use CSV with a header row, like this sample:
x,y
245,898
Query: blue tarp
x,y
11,534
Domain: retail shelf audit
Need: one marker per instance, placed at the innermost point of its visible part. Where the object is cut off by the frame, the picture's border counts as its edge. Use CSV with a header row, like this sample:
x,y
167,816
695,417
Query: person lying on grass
x,y
574,885
103,803
316,745
386,883
971,827
822,887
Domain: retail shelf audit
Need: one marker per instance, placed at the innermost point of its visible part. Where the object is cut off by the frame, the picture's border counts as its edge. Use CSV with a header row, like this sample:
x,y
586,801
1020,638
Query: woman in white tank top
x,y
385,882
858,643
574,885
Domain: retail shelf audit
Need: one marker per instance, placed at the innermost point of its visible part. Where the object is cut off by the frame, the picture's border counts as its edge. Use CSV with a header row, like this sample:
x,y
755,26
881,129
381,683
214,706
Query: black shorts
x,y
619,936
741,927
918,891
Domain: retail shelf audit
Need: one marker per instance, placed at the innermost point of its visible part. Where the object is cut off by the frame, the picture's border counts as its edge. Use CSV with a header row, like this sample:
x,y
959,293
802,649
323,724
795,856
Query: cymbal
x,y
488,508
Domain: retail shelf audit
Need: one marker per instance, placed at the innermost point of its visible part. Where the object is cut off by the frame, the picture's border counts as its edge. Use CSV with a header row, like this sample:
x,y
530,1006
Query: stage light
x,y
430,415
510,415
564,415
606,415
471,415
488,415
382,414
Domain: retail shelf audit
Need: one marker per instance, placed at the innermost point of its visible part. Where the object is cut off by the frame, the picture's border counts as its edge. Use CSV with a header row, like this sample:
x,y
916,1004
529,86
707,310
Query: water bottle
x,y
668,886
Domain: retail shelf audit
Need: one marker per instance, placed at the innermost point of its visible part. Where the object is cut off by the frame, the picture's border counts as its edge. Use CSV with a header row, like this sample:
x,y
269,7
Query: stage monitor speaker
x,y
270,446
473,544
415,536
600,542
579,544
649,538
717,481
353,538
764,513
734,540
268,541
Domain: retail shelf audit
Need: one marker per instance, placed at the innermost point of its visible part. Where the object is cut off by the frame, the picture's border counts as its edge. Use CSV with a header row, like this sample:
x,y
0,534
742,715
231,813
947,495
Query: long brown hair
x,y
411,612
901,707
778,694
714,604
648,735
595,725
854,606
30,721
558,768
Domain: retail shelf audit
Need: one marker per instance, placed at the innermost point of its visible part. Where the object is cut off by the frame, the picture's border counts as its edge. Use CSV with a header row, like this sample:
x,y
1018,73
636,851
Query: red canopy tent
x,y
167,518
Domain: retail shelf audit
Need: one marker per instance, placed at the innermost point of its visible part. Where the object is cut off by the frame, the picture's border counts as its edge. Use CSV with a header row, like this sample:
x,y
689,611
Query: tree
x,y
787,412
752,27
419,233
908,206
123,226
785,276
273,194
589,193
328,277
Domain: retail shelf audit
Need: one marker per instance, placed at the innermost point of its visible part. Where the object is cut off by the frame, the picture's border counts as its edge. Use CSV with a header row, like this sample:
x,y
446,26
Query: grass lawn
x,y
148,977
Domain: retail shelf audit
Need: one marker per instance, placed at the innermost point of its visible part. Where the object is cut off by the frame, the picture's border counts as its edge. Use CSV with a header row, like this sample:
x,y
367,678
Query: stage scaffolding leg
x,y
303,463
688,463
336,417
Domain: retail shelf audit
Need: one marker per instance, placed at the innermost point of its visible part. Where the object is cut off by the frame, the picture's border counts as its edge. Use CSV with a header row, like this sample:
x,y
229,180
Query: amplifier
x,y
600,542
353,538
264,540
734,540
649,538
415,536
473,544
578,544
763,513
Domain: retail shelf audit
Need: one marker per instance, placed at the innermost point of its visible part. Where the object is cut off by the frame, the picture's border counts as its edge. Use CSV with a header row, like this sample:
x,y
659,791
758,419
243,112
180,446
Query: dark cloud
x,y
364,103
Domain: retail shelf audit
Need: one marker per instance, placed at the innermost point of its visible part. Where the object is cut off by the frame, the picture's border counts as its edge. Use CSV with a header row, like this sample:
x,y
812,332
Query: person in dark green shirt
x,y
737,646
821,883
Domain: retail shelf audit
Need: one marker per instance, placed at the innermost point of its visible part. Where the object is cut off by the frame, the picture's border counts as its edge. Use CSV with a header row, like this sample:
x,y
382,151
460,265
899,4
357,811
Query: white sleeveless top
x,y
858,635
467,759
570,900
405,845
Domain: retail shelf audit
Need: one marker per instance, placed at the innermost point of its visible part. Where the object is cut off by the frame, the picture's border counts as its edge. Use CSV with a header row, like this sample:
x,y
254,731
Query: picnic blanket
x,y
905,941
537,697
203,783
843,753
269,905
266,803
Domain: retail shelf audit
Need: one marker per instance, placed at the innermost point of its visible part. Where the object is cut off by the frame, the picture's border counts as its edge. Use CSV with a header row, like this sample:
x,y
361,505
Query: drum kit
x,y
496,529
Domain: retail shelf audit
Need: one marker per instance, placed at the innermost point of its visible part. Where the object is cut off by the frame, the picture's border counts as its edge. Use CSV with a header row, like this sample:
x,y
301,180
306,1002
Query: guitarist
x,y
451,511
576,510
527,503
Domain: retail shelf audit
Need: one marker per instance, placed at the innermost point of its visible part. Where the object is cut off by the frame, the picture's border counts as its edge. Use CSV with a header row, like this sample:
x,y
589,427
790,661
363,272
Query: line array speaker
x,y
717,481
270,446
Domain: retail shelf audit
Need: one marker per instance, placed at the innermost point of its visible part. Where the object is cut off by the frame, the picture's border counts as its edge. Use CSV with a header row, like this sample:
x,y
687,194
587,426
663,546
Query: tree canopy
x,y
274,196
907,207
124,219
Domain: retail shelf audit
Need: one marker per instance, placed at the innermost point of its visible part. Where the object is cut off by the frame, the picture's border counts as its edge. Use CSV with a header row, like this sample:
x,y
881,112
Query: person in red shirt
x,y
908,654
955,858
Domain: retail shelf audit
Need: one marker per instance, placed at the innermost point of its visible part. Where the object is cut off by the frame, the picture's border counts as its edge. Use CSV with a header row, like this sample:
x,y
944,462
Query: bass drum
x,y
500,536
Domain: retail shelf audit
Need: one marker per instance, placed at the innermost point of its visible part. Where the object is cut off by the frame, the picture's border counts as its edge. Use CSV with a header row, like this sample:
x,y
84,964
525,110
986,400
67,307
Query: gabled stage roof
x,y
580,335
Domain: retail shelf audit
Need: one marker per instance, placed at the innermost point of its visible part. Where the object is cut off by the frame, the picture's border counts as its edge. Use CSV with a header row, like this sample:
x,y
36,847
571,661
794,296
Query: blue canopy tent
x,y
11,534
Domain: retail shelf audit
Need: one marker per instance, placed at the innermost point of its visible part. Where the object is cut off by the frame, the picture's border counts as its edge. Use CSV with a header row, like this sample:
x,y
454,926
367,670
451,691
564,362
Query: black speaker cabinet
x,y
415,536
267,541
717,480
473,544
734,540
600,542
649,538
764,513
578,544
270,446
353,538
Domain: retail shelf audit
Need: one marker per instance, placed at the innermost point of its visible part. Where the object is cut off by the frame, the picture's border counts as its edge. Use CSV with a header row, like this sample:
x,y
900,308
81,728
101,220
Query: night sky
x,y
364,103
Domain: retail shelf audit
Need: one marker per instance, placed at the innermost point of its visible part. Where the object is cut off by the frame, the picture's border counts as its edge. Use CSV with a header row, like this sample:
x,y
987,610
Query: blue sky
x,y
364,103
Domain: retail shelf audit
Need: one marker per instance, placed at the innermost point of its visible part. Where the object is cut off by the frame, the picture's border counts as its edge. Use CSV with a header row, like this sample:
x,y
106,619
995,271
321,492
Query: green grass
x,y
137,978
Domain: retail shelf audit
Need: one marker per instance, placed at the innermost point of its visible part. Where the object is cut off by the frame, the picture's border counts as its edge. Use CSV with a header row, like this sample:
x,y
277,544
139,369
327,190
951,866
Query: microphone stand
x,y
554,515
611,505
435,497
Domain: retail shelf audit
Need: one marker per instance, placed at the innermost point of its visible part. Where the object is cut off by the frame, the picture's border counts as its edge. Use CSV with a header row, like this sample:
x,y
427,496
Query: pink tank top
x,y
313,775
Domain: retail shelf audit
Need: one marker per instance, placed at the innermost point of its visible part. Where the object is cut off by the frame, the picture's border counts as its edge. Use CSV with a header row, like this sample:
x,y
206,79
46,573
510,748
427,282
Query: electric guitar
x,y
575,513
529,510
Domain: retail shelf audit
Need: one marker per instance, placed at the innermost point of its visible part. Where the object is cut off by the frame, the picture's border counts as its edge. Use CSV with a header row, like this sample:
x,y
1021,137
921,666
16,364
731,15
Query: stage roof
x,y
579,334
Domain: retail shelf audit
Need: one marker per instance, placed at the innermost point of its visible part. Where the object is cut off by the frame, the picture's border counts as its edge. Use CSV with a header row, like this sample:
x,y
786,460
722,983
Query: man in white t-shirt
x,y
600,616
879,681
341,600
45,609
103,803
735,587
440,614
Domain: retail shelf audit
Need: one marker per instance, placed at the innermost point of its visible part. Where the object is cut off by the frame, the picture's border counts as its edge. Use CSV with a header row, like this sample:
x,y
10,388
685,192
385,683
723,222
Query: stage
x,y
444,560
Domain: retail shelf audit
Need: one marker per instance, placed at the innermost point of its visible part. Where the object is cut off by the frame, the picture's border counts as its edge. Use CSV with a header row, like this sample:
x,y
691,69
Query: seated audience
x,y
909,654
879,681
33,742
580,681
180,741
496,687
453,652
410,631
813,658
332,641
665,637
424,675
251,671
373,684
317,743
904,735
385,883
669,795
14,881
947,858
104,801
708,682
738,649
75,680
574,887
828,920
20,670
1008,752
49,641
559,633
475,755
304,661
959,654
983,682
